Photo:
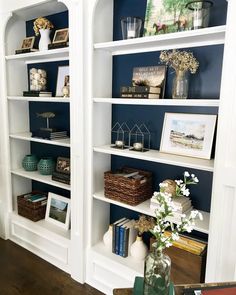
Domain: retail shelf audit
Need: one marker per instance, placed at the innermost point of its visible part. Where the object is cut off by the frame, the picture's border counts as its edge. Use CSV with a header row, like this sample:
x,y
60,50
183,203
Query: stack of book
x,y
188,244
49,134
123,235
37,93
183,205
58,45
149,92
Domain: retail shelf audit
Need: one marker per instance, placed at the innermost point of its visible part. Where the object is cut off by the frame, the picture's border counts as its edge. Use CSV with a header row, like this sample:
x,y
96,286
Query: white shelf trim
x,y
44,228
144,208
27,137
160,102
39,99
192,38
159,157
39,56
34,175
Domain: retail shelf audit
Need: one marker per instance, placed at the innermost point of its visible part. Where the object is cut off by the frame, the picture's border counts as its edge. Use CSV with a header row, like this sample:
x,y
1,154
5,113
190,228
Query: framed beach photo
x,y
58,210
61,36
188,134
63,79
28,43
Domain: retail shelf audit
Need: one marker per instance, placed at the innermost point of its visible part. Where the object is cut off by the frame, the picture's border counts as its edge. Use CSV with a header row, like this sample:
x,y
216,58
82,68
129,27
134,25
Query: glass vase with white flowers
x,y
157,264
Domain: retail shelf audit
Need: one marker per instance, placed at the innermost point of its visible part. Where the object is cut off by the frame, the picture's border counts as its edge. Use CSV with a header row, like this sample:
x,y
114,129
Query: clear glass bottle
x,y
157,273
180,85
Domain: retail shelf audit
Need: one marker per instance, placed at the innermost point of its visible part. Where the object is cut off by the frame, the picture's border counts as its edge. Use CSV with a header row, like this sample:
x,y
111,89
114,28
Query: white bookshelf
x,y
159,157
39,99
27,136
160,102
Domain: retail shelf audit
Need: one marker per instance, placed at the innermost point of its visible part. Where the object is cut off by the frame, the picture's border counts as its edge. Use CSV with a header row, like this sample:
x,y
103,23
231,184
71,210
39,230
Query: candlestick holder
x,y
131,27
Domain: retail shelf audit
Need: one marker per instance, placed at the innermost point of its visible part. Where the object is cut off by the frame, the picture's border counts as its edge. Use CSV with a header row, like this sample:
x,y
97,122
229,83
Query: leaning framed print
x,y
58,210
63,79
61,35
188,134
28,43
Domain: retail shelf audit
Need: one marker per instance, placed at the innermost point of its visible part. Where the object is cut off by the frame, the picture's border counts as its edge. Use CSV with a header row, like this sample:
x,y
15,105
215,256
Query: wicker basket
x,y
128,190
33,211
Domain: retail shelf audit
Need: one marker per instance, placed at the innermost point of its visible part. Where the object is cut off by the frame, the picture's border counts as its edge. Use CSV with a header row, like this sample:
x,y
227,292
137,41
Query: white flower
x,y
186,174
175,236
194,214
155,194
195,179
186,192
192,175
168,244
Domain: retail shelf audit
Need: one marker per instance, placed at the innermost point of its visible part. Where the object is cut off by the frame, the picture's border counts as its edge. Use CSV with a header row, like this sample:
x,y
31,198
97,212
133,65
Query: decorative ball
x,y
42,73
37,76
42,81
33,71
171,188
34,82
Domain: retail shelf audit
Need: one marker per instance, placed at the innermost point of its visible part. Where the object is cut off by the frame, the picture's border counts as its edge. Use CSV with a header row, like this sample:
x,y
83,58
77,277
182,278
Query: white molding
x,y
40,99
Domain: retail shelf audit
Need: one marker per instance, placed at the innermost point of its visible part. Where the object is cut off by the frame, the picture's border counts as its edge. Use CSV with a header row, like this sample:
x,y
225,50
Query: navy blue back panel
x,y
62,119
205,84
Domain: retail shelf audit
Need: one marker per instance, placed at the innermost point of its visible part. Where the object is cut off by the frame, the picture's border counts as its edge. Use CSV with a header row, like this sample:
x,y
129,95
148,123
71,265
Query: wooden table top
x,y
178,288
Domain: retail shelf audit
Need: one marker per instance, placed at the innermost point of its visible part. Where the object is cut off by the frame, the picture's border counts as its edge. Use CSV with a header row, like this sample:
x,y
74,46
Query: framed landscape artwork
x,y
166,16
58,210
188,134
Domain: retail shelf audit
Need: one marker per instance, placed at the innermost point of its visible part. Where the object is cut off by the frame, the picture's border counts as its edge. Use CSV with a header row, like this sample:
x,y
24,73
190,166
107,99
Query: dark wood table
x,y
178,288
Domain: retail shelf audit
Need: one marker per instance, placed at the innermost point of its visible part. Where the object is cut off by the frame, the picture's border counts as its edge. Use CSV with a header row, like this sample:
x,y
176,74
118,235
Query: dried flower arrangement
x,y
180,60
42,23
144,224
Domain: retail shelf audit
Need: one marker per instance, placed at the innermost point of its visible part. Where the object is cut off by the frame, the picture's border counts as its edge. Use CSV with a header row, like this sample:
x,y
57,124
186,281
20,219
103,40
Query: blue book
x,y
128,235
117,235
121,238
114,234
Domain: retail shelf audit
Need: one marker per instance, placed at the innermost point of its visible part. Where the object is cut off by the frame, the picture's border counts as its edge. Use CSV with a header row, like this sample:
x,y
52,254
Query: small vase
x,y
29,163
107,238
44,39
139,249
46,166
157,273
180,85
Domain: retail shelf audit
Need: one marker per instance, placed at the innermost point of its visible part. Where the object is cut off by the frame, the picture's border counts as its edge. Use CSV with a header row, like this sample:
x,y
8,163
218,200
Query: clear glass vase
x,y
157,273
180,85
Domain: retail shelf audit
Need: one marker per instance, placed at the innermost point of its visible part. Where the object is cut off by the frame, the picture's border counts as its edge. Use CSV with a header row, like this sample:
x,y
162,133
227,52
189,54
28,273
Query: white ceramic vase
x,y
139,249
44,39
107,238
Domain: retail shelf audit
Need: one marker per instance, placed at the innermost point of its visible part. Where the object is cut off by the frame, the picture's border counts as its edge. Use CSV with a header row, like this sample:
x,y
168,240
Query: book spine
x,y
66,181
140,89
113,238
140,95
121,241
126,243
117,244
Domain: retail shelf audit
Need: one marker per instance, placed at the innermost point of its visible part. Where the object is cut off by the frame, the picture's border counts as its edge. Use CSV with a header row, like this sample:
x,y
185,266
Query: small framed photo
x,y
188,134
28,43
61,36
63,79
58,210
63,165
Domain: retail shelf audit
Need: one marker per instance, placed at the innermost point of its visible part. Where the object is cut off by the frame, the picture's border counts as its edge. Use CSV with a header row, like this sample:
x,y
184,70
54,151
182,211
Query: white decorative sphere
x,y
37,76
34,82
42,81
33,71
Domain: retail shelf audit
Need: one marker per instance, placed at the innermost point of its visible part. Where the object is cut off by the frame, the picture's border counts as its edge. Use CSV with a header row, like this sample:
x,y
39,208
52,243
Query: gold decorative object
x,y
42,23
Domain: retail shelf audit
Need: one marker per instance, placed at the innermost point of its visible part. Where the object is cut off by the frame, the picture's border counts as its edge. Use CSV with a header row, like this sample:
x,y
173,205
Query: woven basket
x,y
33,211
128,190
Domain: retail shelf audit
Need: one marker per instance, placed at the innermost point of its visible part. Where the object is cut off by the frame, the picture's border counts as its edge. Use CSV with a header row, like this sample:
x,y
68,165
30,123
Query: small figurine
x,y
46,115
66,88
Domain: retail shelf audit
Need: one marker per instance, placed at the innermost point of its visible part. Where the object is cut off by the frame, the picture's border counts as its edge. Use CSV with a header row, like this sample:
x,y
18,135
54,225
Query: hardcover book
x,y
140,89
140,95
212,290
154,76
37,93
114,236
26,50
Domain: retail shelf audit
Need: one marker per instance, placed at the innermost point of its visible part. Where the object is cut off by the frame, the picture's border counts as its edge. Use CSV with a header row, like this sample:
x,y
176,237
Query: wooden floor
x,y
23,273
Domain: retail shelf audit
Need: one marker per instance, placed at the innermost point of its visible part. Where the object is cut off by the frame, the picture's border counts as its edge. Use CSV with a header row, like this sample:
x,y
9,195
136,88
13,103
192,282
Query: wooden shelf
x,y
27,137
186,39
41,56
160,102
35,175
39,99
156,156
144,208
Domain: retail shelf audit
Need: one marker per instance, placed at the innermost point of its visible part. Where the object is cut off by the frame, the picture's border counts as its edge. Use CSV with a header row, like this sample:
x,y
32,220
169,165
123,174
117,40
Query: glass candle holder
x,y
131,27
200,13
